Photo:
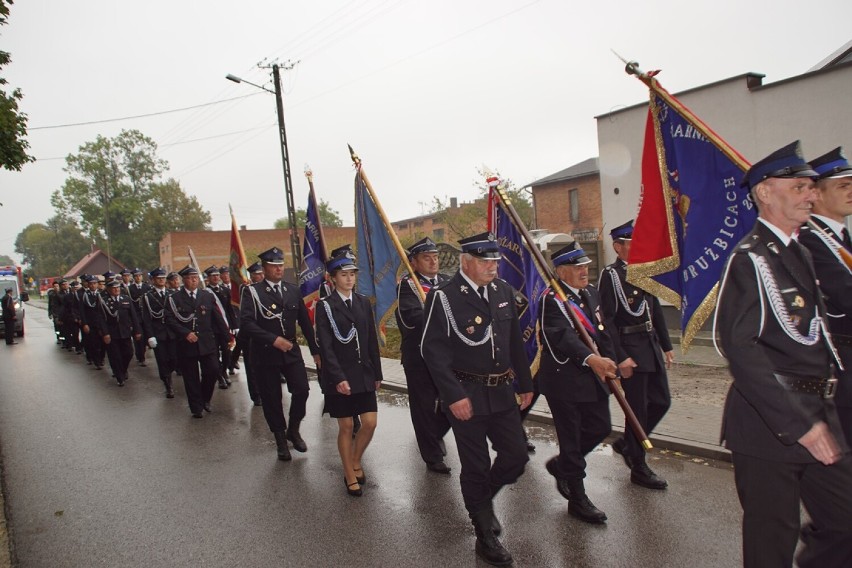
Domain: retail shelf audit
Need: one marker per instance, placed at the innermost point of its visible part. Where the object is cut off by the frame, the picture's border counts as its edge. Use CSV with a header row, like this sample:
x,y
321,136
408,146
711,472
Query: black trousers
x,y
271,394
166,358
71,332
770,492
139,348
580,427
429,421
119,352
9,330
479,477
93,344
648,396
224,357
199,387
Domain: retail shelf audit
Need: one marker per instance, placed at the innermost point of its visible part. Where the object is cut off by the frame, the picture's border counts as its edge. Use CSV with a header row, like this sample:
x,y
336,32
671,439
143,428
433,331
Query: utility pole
x,y
295,249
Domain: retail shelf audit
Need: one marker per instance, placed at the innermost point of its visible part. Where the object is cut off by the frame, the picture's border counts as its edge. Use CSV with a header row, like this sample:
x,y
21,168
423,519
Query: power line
x,y
141,115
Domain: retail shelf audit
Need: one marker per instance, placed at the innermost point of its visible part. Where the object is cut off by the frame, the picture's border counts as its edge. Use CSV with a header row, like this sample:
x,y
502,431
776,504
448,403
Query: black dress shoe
x,y
231,372
642,475
170,393
120,382
438,467
281,446
207,407
298,443
142,364
582,508
530,447
197,415
488,546
350,488
237,366
561,484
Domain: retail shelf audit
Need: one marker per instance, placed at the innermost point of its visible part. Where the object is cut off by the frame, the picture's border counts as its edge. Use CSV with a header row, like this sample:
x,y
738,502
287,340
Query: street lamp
x,y
295,249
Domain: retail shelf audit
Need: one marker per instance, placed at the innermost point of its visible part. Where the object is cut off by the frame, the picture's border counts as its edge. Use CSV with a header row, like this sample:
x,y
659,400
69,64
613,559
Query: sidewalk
x,y
688,427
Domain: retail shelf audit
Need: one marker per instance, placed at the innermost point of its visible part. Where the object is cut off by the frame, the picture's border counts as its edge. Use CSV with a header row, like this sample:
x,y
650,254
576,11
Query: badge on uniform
x,y
773,247
272,306
502,304
795,320
630,301
477,319
600,326
494,286
463,289
798,302
469,330
203,310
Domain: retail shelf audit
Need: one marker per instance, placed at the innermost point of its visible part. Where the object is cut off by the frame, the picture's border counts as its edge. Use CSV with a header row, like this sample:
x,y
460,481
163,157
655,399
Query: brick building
x,y
214,247
444,226
569,201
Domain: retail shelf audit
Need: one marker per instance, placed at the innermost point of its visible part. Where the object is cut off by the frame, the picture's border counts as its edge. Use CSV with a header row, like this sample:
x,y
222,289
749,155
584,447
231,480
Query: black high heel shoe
x,y
352,492
361,479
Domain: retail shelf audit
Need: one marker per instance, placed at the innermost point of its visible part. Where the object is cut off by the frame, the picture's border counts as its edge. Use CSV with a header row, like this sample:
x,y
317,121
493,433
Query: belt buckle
x,y
648,326
492,380
830,388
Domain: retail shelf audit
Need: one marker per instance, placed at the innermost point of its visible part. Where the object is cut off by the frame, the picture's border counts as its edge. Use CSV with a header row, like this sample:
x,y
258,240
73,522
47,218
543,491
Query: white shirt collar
x,y
832,224
473,284
342,297
576,291
784,238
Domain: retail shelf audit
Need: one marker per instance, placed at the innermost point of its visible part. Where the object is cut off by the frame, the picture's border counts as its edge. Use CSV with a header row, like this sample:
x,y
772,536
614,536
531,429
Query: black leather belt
x,y
487,380
646,327
808,385
845,340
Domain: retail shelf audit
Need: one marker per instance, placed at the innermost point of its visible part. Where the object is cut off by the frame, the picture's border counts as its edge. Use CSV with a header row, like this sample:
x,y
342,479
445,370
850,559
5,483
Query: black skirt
x,y
342,406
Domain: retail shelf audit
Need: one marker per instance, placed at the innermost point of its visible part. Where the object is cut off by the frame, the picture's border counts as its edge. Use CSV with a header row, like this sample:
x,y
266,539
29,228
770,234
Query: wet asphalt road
x,y
97,475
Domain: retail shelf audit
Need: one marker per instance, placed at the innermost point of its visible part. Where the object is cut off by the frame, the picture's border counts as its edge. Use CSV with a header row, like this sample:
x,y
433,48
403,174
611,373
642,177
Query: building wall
x,y
470,218
214,247
553,211
812,108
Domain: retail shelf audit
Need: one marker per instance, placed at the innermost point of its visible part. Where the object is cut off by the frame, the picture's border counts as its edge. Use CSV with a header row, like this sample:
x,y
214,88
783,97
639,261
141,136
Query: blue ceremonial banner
x,y
692,212
377,258
313,258
517,267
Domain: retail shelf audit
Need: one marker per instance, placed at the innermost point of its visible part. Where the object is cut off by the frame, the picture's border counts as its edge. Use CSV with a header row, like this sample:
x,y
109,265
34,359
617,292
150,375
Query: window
x,y
438,234
574,205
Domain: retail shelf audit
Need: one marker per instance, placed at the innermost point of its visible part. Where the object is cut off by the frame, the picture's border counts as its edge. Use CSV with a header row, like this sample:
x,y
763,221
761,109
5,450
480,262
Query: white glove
x,y
236,332
152,342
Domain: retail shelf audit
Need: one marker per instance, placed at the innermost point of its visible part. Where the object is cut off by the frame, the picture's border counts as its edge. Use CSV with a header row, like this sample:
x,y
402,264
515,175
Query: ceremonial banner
x,y
237,263
313,257
692,211
378,260
518,268
194,263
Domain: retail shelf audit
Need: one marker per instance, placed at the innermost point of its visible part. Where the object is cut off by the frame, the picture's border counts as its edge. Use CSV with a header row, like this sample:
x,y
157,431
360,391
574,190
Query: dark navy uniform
x,y
119,322
429,421
244,342
90,317
222,294
54,312
771,322
473,349
154,309
200,316
137,290
269,311
638,329
835,279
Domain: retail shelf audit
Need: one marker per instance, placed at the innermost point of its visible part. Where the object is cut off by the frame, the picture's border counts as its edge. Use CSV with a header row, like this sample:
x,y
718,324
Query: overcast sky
x,y
424,91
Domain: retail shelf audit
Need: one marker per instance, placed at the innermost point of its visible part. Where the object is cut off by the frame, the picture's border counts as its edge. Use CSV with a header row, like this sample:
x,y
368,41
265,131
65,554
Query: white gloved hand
x,y
235,332
152,342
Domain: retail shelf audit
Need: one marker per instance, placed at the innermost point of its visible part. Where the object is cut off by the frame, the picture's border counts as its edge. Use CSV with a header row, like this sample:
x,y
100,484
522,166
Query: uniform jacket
x,y
201,316
455,316
645,348
136,293
835,281
154,309
69,308
54,304
118,318
90,310
562,374
357,360
8,303
761,417
224,294
264,316
409,317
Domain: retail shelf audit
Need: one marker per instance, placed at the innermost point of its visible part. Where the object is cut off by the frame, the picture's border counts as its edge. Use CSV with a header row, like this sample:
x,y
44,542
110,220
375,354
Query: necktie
x,y
433,281
277,290
348,302
481,291
847,242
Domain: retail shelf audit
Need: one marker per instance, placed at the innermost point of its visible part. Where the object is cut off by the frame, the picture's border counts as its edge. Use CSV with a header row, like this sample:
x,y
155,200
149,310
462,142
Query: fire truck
x,y
12,277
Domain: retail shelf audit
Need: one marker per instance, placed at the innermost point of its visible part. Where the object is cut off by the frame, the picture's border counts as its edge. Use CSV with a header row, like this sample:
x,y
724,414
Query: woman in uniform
x,y
351,368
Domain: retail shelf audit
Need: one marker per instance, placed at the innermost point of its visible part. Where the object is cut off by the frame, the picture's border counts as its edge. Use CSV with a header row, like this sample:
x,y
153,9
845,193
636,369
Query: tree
x,y
115,194
470,218
328,217
6,260
51,248
13,123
